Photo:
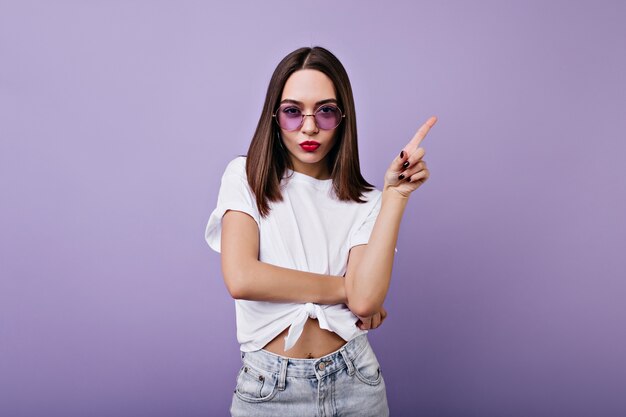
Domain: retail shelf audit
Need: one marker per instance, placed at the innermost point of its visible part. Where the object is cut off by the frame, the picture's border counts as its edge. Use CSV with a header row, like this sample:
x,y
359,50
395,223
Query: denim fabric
x,y
347,382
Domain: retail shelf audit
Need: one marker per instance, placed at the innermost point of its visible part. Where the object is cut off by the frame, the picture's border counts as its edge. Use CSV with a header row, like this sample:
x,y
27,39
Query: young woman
x,y
307,247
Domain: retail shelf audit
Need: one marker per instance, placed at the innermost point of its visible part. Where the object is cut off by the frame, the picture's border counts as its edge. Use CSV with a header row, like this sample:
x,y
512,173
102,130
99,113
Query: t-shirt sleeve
x,y
362,234
234,194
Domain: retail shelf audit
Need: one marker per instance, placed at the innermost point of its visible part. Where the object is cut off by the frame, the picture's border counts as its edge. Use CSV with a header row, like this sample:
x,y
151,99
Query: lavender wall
x,y
118,118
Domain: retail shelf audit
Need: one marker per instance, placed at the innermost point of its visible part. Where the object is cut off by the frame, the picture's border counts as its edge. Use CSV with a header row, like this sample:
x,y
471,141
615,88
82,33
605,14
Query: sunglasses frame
x,y
275,116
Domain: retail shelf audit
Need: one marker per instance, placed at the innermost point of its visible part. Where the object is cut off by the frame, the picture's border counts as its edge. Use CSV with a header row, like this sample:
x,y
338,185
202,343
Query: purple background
x,y
117,119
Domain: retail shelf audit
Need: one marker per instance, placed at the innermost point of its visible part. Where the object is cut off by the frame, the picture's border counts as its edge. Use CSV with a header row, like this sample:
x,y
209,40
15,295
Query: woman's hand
x,y
408,171
372,322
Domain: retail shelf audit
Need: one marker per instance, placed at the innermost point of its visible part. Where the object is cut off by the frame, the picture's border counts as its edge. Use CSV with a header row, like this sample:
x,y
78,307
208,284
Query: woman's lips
x,y
309,145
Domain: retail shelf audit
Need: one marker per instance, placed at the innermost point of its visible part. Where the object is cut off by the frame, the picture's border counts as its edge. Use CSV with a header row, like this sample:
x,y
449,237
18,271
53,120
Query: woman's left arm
x,y
369,266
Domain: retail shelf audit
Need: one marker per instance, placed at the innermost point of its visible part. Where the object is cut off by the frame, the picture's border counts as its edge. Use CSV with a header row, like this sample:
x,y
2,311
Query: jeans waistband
x,y
284,367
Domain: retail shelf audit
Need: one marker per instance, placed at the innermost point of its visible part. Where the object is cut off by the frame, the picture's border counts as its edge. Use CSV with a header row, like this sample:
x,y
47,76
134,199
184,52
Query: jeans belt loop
x,y
347,360
282,376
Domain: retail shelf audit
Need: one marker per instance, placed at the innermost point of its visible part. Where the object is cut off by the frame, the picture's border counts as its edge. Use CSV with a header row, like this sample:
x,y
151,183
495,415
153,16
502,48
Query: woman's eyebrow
x,y
328,100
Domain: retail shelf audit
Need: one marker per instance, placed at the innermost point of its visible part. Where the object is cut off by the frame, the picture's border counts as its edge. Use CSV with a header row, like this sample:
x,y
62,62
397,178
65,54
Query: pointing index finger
x,y
422,132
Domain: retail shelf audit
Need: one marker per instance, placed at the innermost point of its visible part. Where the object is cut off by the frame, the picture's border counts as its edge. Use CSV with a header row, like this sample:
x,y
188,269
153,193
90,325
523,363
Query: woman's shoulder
x,y
373,195
237,166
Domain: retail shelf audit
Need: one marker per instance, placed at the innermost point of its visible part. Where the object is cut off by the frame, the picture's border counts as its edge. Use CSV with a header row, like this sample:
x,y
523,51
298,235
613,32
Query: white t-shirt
x,y
310,230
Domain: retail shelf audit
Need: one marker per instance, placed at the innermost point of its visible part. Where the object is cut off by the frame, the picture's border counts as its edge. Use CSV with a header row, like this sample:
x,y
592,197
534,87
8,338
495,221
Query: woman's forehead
x,y
308,87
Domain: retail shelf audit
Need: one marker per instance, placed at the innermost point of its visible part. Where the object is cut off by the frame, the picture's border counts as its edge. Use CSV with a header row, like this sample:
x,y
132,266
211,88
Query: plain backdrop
x,y
117,119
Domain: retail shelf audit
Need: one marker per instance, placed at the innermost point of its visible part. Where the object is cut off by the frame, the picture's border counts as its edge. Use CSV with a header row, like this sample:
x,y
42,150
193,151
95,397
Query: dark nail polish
x,y
401,154
408,179
401,176
406,164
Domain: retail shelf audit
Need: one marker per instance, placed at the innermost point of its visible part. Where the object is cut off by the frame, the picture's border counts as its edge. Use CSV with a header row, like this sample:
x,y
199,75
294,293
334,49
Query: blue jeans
x,y
347,382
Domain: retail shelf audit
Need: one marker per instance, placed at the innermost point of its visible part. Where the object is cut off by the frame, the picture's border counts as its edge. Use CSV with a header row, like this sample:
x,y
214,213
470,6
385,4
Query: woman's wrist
x,y
331,290
342,295
392,196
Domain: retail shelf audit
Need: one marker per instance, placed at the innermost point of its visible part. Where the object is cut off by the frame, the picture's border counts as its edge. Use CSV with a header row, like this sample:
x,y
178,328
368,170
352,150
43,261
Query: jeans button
x,y
321,366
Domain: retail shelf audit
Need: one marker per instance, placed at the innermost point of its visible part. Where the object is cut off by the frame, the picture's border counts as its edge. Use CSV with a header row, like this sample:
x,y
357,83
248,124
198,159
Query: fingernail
x,y
408,179
402,154
401,176
406,164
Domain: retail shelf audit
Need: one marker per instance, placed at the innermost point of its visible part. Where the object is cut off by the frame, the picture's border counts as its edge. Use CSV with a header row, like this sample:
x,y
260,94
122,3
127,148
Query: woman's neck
x,y
318,171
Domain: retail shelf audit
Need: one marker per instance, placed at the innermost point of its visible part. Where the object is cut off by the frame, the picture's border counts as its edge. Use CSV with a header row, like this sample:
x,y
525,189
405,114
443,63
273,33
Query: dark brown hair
x,y
267,160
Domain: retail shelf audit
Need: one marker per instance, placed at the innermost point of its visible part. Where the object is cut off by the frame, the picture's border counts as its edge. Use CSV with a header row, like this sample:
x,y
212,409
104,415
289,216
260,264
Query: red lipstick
x,y
309,145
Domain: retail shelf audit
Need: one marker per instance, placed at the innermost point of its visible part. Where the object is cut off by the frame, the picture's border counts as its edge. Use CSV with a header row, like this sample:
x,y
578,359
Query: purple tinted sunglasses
x,y
289,117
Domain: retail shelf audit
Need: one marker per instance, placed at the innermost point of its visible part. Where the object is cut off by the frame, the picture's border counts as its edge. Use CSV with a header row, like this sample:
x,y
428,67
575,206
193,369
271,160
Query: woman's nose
x,y
308,124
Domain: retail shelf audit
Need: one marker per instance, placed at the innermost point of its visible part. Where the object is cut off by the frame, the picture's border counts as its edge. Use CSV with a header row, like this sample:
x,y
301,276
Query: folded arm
x,y
248,278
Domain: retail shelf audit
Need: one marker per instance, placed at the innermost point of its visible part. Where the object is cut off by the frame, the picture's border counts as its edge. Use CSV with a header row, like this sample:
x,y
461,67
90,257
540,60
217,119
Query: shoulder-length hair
x,y
267,160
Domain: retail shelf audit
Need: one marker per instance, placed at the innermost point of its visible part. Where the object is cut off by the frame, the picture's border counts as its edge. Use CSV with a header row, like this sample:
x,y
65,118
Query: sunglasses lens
x,y
328,117
289,117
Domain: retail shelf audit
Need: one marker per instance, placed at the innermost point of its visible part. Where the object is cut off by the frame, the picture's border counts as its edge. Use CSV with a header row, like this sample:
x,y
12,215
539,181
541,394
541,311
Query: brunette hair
x,y
267,160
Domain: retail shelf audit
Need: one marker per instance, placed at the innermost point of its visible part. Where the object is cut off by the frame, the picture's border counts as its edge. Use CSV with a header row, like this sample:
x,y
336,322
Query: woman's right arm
x,y
248,278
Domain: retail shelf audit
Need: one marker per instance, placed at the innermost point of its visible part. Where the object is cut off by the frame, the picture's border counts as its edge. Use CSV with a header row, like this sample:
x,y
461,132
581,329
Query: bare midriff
x,y
314,342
